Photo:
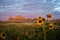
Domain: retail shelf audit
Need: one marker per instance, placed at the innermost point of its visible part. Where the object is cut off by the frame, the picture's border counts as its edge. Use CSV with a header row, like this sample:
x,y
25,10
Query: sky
x,y
28,8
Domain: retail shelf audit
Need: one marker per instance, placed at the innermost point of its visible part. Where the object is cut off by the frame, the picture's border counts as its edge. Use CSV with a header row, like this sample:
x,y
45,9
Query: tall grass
x,y
27,32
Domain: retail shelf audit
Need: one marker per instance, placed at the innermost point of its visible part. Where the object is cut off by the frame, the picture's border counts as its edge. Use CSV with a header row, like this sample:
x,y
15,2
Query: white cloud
x,y
9,6
44,1
57,4
57,9
53,0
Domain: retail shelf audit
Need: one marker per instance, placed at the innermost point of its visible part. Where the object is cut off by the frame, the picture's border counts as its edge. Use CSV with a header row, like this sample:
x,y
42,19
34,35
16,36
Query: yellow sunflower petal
x,y
51,26
43,19
3,35
39,17
49,15
40,22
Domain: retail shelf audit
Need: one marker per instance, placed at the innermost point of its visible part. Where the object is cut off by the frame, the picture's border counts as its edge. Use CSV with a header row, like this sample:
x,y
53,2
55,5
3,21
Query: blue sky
x,y
28,8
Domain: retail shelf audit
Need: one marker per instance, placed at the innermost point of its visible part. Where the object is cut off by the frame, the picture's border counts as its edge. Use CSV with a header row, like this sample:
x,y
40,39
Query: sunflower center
x,y
48,16
36,31
40,21
43,19
50,26
3,35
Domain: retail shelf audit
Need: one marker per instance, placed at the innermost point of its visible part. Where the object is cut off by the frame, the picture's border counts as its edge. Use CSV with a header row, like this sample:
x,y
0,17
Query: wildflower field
x,y
16,31
41,30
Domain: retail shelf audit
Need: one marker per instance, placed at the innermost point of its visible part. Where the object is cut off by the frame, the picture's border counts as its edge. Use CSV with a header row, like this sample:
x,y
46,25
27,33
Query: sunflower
x,y
18,38
49,16
51,26
40,21
39,17
3,35
43,19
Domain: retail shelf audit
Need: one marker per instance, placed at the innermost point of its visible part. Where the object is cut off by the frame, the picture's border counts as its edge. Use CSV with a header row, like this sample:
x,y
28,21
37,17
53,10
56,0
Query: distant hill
x,y
22,19
19,19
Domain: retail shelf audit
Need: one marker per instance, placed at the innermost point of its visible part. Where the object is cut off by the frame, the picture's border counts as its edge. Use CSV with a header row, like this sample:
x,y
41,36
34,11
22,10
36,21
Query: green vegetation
x,y
27,32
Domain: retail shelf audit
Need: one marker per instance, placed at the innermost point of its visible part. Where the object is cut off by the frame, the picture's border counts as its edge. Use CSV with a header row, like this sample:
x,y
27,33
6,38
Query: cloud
x,y
27,5
57,9
44,1
8,6
57,4
34,7
53,0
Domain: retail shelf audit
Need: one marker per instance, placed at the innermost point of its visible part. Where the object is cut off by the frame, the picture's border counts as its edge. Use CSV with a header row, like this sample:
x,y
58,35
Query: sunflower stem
x,y
44,32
